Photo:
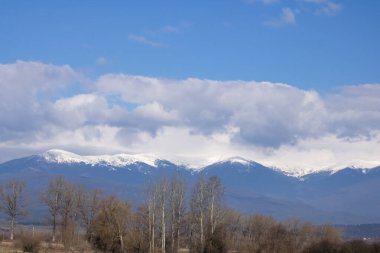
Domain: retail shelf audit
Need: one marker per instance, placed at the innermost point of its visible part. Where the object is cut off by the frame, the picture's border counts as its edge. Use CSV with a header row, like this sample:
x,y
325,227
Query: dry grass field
x,y
13,247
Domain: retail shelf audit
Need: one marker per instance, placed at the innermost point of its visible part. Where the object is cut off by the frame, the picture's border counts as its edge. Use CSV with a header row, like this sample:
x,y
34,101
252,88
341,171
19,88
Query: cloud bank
x,y
193,121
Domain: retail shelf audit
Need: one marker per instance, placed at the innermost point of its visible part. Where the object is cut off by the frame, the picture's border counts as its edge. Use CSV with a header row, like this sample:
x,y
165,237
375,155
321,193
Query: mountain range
x,y
344,196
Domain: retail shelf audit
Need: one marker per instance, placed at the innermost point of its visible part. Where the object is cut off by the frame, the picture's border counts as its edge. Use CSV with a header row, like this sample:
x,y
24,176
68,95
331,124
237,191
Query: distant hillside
x,y
361,231
339,197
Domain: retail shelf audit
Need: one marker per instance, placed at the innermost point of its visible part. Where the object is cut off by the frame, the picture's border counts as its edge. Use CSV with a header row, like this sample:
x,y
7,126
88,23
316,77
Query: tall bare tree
x,y
110,225
198,213
152,198
176,209
215,193
13,202
52,198
139,231
68,212
88,204
162,189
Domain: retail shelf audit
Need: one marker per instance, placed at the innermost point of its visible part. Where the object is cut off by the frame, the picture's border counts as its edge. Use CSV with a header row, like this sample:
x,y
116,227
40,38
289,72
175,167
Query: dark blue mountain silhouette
x,y
348,196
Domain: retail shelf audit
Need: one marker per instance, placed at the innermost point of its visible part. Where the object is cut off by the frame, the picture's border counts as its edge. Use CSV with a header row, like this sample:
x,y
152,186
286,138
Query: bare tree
x,y
198,213
139,234
162,188
152,198
52,198
110,225
68,211
328,232
13,202
176,209
215,193
88,204
234,222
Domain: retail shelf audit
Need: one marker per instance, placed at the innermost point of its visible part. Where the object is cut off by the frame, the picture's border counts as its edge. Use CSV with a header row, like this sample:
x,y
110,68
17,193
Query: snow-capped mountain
x,y
347,195
122,160
118,160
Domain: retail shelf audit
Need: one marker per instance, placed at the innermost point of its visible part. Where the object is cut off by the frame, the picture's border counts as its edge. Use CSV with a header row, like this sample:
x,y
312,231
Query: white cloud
x,y
328,151
287,17
101,61
193,120
80,110
266,2
326,7
170,29
207,106
26,88
155,111
143,40
153,37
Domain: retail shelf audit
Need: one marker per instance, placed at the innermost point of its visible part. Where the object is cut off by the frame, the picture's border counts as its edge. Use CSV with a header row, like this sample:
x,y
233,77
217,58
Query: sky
x,y
291,84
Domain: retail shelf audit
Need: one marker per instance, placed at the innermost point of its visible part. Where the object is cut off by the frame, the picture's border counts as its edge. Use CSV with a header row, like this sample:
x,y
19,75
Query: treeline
x,y
169,220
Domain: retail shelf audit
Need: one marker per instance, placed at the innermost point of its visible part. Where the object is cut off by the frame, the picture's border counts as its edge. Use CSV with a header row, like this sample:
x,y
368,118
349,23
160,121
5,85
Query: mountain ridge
x,y
123,159
345,197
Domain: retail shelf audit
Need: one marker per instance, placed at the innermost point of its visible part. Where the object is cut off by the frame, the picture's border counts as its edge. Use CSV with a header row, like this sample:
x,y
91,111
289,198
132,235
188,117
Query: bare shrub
x,y
29,242
323,246
215,242
109,229
356,246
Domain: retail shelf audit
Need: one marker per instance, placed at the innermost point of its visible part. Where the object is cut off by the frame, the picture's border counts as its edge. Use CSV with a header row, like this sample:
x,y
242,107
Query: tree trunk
x,y
153,227
172,229
178,236
163,229
150,226
202,233
121,243
54,228
212,215
12,228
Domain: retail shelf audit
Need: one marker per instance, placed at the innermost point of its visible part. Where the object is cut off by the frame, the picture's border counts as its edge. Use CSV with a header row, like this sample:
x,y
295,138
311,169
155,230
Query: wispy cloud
x,y
143,40
287,17
326,7
170,29
152,37
101,61
266,2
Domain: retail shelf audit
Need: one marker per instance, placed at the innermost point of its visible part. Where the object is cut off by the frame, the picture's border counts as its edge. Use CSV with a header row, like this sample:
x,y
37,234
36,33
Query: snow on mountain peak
x,y
355,164
238,159
299,172
60,156
118,160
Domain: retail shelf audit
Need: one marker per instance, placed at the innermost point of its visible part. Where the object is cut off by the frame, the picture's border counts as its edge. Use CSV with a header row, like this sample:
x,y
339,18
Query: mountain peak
x,y
237,159
117,160
121,160
60,156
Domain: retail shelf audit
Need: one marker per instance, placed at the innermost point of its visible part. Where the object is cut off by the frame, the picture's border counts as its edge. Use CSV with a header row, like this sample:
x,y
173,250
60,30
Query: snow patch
x,y
122,160
355,164
238,159
118,160
363,166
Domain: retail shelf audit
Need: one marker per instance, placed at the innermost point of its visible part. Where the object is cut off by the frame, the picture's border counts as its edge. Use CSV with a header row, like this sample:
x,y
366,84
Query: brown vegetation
x,y
29,242
164,223
13,202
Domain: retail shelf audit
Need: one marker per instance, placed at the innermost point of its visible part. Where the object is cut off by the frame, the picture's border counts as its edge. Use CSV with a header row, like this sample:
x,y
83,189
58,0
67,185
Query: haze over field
x,y
289,84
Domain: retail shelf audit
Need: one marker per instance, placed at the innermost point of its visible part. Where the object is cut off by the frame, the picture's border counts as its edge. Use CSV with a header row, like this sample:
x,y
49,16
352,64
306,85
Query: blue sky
x,y
322,48
291,84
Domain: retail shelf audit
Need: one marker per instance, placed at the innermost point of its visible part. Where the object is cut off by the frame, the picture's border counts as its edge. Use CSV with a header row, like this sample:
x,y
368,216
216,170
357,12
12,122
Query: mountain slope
x,y
346,196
